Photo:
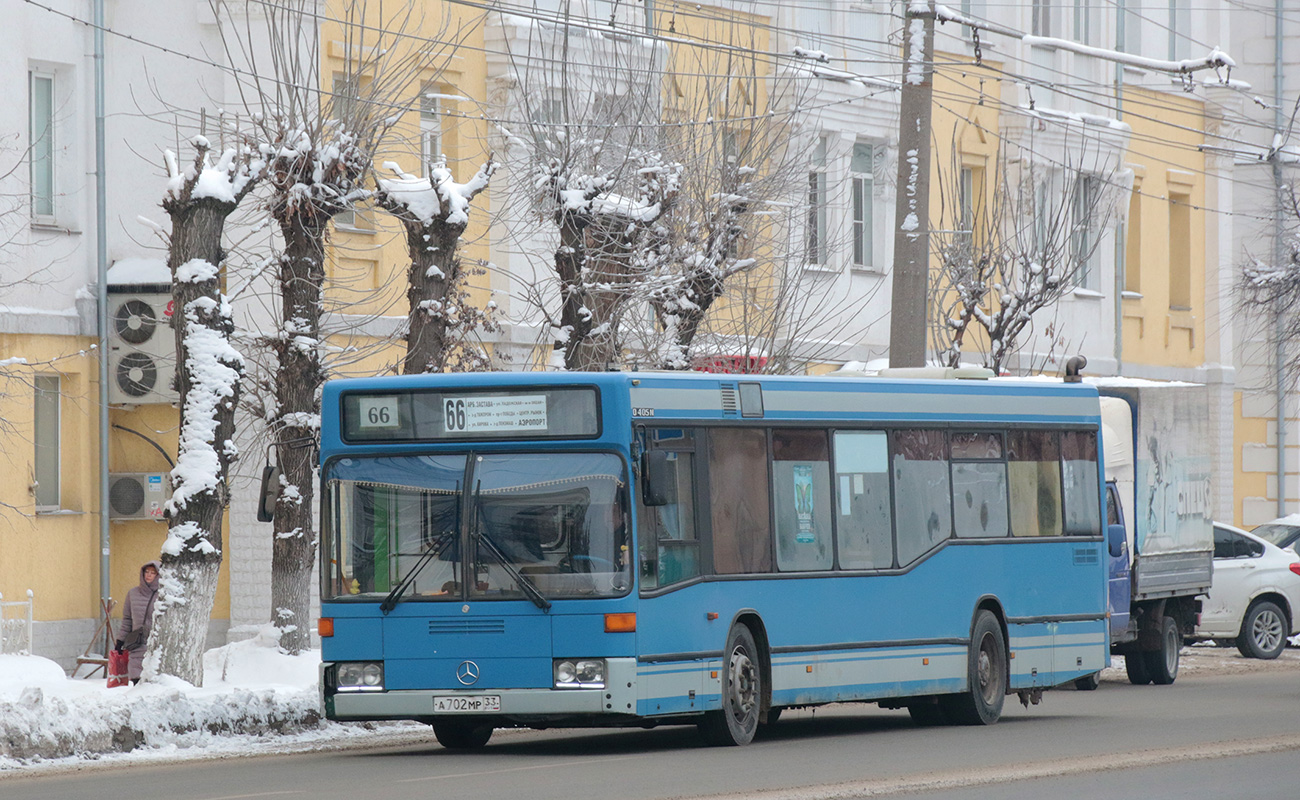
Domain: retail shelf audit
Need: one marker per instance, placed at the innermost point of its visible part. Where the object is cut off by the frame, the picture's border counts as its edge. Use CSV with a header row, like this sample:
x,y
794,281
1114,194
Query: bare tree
x,y
581,124
1268,292
1010,250
199,199
319,143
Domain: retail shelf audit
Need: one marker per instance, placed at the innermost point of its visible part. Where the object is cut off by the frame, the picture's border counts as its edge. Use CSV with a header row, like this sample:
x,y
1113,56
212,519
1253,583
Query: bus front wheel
x,y
461,735
987,675
742,693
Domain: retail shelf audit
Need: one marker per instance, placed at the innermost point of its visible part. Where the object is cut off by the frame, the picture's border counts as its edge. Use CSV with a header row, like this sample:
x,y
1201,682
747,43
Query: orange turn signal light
x,y
620,623
325,626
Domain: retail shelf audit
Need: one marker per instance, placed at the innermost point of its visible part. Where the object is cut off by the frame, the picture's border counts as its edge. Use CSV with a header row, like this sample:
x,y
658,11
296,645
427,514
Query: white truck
x,y
1157,470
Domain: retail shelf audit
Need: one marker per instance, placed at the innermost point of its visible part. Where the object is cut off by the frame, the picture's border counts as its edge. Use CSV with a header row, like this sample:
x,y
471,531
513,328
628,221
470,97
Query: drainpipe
x,y
1121,232
1279,120
101,260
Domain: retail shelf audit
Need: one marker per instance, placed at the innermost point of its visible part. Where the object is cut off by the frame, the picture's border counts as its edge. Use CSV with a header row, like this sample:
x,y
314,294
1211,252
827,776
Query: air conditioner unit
x,y
141,350
137,495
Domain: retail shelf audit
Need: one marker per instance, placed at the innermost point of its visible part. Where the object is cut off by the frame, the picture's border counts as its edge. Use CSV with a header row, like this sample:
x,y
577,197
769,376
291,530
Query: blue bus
x,y
622,549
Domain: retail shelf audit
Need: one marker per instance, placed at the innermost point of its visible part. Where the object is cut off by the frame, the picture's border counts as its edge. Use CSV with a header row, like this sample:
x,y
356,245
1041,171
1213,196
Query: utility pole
x,y
908,313
908,310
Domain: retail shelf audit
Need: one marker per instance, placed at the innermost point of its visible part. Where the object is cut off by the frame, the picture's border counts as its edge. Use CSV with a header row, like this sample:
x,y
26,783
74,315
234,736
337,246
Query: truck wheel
x,y
1162,664
986,673
1263,631
461,735
1135,664
742,693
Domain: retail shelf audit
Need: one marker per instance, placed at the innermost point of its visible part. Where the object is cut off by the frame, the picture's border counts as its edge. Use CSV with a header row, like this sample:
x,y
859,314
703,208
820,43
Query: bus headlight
x,y
579,673
359,676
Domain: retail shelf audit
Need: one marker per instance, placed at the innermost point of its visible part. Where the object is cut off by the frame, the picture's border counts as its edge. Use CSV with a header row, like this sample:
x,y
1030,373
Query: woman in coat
x,y
137,619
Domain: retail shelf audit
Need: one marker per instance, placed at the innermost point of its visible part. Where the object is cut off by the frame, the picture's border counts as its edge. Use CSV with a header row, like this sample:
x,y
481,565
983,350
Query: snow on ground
x,y
254,700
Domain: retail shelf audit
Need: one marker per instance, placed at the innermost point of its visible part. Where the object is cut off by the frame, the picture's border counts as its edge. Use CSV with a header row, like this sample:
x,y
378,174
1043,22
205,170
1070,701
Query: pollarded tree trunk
x,y
435,269
575,315
296,421
208,373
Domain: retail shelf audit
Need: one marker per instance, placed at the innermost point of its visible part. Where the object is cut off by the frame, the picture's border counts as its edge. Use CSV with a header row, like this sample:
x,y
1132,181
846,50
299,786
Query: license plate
x,y
467,704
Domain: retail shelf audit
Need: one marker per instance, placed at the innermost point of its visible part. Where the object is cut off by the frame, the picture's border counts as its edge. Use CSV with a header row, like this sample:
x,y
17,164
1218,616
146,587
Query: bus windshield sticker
x,y
479,414
803,502
378,412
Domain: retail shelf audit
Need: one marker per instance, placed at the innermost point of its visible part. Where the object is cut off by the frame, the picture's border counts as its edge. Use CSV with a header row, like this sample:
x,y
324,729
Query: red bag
x,y
118,661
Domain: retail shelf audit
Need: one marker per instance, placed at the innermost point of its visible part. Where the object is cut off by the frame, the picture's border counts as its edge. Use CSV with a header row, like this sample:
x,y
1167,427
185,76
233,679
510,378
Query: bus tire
x,y
1162,664
986,673
742,693
461,735
1135,664
1088,683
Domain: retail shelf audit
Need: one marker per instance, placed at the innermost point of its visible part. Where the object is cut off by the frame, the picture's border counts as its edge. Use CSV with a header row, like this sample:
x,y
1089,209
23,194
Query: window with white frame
x,y
41,139
1040,23
973,9
45,435
347,96
815,244
1087,21
1084,233
862,180
1180,29
430,129
966,206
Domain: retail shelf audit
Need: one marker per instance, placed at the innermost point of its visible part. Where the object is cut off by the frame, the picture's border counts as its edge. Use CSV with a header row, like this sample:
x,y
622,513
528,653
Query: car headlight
x,y
579,673
359,676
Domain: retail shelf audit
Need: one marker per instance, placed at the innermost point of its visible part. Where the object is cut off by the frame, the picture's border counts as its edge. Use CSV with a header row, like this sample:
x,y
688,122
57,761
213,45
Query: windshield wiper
x,y
440,543
436,549
521,579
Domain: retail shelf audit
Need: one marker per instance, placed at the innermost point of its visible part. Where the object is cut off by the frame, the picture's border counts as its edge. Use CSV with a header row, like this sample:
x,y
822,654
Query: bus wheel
x,y
1088,683
461,735
742,693
1162,664
987,674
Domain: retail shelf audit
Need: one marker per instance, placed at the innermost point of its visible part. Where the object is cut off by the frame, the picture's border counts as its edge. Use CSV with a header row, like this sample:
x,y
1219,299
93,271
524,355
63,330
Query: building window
x,y
861,174
1133,245
41,133
1041,23
1180,252
815,234
1083,230
1180,29
46,438
430,130
1086,23
966,205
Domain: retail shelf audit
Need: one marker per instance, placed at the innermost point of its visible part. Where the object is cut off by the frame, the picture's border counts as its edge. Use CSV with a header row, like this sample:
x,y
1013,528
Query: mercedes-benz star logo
x,y
467,673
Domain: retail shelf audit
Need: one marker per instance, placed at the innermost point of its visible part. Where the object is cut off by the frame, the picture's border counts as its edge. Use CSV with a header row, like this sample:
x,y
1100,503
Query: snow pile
x,y
251,692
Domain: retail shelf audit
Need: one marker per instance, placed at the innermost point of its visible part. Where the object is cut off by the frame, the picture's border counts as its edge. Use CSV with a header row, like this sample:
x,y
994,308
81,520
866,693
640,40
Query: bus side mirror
x,y
1115,540
656,478
269,494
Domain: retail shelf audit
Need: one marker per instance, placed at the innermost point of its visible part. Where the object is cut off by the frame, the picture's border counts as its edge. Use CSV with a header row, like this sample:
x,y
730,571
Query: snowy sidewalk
x,y
253,698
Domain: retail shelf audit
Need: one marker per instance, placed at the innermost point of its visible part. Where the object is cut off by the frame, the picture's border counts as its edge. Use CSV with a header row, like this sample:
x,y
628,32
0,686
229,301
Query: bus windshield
x,y
548,525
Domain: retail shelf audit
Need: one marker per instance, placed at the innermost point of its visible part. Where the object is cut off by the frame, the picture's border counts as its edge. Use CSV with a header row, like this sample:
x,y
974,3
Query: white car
x,y
1255,596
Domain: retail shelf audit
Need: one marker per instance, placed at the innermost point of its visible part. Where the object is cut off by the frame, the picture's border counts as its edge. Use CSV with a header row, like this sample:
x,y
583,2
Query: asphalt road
x,y
1227,727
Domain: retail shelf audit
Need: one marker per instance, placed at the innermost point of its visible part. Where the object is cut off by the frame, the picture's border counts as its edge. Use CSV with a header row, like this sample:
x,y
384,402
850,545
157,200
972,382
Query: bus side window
x,y
1034,465
739,504
864,523
670,547
922,492
1079,470
979,485
801,493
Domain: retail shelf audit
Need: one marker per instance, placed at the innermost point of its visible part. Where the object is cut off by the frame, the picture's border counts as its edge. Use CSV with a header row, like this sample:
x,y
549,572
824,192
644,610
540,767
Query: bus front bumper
x,y
617,697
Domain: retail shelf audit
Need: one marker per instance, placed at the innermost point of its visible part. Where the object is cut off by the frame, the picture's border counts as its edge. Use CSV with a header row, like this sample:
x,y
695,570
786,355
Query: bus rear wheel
x,y
461,735
986,673
742,693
